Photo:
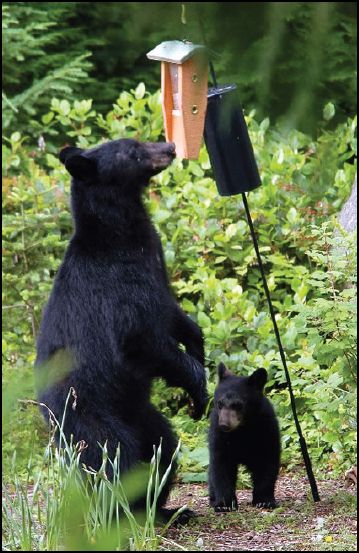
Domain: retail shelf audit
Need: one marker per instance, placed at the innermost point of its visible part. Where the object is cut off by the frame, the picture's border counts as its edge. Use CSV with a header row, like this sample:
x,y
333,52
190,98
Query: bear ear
x,y
258,379
77,164
223,372
68,152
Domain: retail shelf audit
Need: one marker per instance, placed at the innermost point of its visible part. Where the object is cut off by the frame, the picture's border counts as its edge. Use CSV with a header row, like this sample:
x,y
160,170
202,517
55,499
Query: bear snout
x,y
160,148
171,148
228,419
225,428
161,154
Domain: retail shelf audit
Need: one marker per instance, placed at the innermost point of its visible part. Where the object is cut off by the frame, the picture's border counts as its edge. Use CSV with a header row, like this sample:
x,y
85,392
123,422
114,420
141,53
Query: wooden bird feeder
x,y
184,93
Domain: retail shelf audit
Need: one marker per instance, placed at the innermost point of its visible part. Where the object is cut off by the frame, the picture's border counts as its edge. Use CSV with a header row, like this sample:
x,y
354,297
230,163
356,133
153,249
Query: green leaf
x,y
292,215
140,91
15,137
203,320
48,117
194,477
328,111
64,107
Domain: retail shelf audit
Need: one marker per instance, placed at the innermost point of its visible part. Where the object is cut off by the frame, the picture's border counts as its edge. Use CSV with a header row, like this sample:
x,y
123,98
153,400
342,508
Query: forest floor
x,y
298,524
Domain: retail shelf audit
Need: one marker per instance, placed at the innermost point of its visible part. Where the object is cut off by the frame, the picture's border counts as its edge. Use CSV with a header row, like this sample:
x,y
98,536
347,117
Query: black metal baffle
x,y
228,143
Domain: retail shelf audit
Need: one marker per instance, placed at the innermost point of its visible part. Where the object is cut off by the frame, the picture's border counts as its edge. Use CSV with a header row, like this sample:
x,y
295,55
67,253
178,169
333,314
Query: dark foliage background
x,y
288,58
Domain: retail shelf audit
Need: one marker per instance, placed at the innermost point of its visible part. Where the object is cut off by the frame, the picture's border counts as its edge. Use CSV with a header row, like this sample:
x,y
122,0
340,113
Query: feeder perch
x,y
184,93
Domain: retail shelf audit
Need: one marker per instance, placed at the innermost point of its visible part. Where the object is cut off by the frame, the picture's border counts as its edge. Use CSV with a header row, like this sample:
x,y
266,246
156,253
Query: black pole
x,y
302,442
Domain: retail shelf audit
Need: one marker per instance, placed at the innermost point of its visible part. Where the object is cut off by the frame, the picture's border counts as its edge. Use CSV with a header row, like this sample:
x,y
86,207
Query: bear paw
x,y
198,406
224,507
265,504
183,518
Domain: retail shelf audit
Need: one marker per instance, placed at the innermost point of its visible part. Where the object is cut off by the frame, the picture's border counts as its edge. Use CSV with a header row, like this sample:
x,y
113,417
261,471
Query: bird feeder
x,y
184,93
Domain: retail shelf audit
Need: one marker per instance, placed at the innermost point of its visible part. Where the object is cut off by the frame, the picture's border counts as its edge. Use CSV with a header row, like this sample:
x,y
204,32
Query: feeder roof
x,y
174,51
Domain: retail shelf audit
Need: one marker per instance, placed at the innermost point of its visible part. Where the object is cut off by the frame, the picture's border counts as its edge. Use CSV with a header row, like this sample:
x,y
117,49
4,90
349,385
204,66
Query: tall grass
x,y
74,508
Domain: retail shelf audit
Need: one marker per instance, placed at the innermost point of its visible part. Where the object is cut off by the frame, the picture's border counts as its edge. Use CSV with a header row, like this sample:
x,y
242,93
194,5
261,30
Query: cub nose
x,y
224,427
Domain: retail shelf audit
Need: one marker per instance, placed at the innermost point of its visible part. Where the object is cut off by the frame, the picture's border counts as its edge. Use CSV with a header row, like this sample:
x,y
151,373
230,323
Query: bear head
x,y
124,163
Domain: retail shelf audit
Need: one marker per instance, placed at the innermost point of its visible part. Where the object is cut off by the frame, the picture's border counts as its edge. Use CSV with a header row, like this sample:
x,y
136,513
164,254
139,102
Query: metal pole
x,y
302,442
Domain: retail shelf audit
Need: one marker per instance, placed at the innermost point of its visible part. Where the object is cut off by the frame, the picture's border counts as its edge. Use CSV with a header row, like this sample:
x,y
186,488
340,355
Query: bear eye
x,y
138,160
220,404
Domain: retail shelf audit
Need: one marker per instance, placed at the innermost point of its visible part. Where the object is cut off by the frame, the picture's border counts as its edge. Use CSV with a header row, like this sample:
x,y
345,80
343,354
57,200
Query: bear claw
x,y
271,504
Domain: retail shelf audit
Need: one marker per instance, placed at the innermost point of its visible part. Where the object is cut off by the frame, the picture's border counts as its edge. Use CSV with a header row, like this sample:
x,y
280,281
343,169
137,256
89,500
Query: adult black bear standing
x,y
244,430
111,309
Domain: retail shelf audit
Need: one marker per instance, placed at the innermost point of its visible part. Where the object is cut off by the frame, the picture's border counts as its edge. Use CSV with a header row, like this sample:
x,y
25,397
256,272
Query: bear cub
x,y
243,431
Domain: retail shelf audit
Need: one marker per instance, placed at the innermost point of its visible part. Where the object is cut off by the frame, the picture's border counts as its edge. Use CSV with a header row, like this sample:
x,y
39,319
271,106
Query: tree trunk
x,y
348,215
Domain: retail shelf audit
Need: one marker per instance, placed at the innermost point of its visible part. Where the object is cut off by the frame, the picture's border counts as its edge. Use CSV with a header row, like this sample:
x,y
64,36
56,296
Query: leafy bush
x,y
212,267
327,326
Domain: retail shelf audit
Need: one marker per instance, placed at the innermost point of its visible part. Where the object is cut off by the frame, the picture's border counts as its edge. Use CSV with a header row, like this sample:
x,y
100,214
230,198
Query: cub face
x,y
237,397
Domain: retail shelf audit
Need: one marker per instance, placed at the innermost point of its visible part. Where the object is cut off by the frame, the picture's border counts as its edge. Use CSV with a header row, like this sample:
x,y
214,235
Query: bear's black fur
x,y
112,312
244,430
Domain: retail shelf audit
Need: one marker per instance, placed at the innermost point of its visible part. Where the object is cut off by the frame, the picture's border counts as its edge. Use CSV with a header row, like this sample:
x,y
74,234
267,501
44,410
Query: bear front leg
x,y
180,369
190,376
188,333
264,480
222,482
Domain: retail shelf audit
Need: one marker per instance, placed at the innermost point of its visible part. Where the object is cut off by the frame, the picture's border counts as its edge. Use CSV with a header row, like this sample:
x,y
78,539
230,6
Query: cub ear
x,y
223,372
258,379
77,164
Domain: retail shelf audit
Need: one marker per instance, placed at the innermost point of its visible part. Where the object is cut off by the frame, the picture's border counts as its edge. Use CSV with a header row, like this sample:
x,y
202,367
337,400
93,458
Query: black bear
x,y
243,430
112,312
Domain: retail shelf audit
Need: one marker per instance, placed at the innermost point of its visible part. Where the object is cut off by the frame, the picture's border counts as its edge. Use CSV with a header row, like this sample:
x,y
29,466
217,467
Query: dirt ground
x,y
298,524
